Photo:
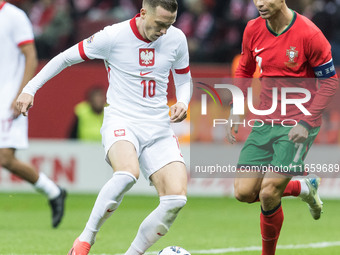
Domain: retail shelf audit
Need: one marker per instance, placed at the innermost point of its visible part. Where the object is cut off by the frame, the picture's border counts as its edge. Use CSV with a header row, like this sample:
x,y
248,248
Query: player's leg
x,y
170,182
307,187
39,181
304,188
271,218
24,171
161,163
288,160
254,154
247,186
311,197
123,158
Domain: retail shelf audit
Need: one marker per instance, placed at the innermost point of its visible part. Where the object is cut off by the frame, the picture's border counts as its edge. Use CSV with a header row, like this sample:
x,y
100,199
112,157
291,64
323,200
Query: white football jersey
x,y
15,30
138,69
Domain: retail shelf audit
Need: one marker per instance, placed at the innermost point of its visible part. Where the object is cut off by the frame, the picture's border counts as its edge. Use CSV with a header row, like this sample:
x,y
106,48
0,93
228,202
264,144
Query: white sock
x,y
157,223
47,186
107,202
304,189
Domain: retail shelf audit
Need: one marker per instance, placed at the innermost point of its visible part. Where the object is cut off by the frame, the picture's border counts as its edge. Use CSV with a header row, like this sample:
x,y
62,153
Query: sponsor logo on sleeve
x,y
90,39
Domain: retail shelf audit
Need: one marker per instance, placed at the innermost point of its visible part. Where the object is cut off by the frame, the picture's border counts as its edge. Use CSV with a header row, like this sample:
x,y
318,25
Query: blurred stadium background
x,y
214,30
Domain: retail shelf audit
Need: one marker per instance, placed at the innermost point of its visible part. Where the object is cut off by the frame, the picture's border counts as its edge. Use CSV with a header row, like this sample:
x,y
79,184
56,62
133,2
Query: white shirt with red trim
x,y
15,30
138,69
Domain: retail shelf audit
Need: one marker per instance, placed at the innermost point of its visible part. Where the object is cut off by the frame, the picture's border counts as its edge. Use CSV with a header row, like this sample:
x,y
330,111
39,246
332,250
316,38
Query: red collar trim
x,y
2,5
134,28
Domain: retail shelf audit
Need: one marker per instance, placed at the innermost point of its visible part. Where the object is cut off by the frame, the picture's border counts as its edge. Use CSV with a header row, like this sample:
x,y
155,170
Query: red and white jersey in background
x,y
138,69
15,30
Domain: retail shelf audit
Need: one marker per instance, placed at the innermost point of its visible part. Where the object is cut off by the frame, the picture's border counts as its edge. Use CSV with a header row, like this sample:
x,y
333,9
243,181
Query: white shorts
x,y
13,133
156,144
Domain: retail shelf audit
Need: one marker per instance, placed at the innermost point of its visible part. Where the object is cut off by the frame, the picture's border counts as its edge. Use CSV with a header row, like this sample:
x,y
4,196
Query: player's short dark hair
x,y
169,5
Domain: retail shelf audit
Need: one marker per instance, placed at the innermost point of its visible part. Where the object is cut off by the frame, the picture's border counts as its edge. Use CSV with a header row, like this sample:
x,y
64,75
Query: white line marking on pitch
x,y
256,248
234,249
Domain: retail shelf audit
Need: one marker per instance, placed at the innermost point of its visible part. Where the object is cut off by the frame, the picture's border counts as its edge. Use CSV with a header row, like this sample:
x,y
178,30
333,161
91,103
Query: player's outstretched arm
x,y
31,63
67,58
24,102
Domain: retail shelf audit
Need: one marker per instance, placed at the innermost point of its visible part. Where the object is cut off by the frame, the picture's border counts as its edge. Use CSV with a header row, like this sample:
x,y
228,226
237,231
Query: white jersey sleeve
x,y
67,58
22,29
181,72
98,46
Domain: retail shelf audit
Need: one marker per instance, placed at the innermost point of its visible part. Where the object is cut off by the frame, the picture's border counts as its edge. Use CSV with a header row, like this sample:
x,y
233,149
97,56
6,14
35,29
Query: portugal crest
x,y
292,54
146,57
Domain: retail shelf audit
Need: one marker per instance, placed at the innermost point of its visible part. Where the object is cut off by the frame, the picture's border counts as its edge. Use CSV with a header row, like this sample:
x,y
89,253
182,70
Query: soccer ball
x,y
174,250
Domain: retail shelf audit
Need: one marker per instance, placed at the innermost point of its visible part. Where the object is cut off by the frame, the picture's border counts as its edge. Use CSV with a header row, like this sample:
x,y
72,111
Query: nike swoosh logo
x,y
160,234
143,74
108,210
258,50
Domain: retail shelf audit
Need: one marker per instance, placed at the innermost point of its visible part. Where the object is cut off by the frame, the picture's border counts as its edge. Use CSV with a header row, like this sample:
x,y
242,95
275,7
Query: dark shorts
x,y
269,149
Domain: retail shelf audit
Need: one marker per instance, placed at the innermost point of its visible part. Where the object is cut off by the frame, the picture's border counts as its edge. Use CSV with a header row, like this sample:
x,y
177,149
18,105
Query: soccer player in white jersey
x,y
138,55
18,63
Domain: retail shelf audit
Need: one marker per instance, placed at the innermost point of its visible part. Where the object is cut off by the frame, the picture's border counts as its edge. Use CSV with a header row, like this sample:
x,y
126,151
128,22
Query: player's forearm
x,y
31,63
52,68
321,100
184,92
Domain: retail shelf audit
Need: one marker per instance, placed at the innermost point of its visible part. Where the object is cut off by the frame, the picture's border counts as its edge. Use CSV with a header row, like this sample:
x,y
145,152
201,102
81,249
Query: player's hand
x,y
24,102
14,109
298,134
230,126
178,112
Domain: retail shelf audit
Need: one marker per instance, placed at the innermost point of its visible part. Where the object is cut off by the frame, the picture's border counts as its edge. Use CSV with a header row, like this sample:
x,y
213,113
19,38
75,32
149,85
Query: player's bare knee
x,y
164,189
270,196
179,191
243,193
245,196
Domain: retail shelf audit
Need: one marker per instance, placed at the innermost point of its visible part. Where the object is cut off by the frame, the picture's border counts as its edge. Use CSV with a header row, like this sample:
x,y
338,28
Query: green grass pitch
x,y
203,224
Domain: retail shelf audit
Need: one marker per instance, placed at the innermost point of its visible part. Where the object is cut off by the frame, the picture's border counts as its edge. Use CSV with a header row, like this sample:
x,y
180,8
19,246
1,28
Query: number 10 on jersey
x,y
149,88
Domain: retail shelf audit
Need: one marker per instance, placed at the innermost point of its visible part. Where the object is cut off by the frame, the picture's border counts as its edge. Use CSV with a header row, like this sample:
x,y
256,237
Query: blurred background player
x,y
138,55
89,116
282,43
18,63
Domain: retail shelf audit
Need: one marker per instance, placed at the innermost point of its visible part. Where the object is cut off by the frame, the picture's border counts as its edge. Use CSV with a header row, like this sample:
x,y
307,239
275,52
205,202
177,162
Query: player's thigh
x,y
163,150
123,157
247,186
6,156
121,145
257,150
171,179
289,157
